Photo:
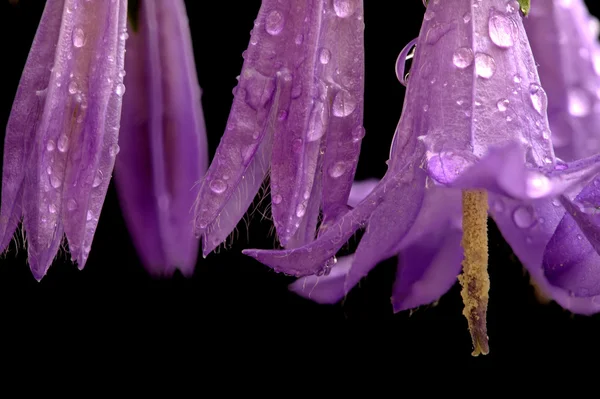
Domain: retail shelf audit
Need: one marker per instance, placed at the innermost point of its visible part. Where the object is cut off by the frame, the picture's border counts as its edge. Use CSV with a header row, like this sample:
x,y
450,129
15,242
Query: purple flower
x,y
473,130
296,116
563,37
163,141
61,138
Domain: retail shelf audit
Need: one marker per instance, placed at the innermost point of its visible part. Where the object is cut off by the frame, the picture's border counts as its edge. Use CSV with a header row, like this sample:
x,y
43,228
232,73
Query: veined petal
x,y
564,40
163,142
74,66
24,118
95,36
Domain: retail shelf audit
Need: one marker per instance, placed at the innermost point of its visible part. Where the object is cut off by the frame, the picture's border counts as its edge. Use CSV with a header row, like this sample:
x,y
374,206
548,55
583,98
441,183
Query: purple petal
x,y
325,289
342,62
261,104
398,196
97,32
23,121
163,142
563,37
360,190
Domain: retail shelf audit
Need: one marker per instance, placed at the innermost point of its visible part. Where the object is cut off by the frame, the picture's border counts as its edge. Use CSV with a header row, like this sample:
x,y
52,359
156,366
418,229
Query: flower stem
x,y
474,279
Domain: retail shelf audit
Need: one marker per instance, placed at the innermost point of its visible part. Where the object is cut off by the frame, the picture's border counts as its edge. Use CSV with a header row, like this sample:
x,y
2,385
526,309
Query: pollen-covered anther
x,y
474,279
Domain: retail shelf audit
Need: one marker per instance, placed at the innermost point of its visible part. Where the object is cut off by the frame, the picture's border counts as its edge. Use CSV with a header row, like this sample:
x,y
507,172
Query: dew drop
x,y
277,198
463,57
502,30
523,218
502,105
343,104
325,56
299,39
274,23
73,87
218,186
89,216
485,66
429,15
114,150
71,204
63,143
344,8
337,169
539,100
467,18
78,37
358,134
50,145
98,178
55,181
120,89
300,210
52,208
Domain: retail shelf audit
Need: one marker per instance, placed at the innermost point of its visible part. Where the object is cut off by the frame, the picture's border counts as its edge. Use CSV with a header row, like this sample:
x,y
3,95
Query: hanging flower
x,y
473,129
61,137
296,117
163,139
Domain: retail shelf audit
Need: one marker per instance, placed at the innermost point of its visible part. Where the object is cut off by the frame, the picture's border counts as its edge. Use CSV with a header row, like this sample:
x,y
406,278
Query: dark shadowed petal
x,y
563,37
163,142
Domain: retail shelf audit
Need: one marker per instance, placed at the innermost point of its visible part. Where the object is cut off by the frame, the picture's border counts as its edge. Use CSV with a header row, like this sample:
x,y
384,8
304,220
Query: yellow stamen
x,y
474,279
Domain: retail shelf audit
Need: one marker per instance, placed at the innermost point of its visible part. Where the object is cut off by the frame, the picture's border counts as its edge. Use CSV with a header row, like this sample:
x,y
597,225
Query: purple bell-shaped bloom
x,y
61,137
163,140
296,118
473,131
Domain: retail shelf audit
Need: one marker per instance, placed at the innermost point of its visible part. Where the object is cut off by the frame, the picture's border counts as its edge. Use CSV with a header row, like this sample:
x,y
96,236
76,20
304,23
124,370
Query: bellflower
x,y
563,37
163,140
61,137
473,130
296,116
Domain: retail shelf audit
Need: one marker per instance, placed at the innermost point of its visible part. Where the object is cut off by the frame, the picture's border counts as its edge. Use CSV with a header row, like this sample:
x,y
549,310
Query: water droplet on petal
x,y
502,105
274,23
71,204
523,217
73,87
343,104
63,143
344,8
55,181
538,185
300,210
539,99
277,198
485,66
78,37
120,89
98,178
50,146
503,30
52,208
358,133
337,169
218,186
463,57
114,150
324,56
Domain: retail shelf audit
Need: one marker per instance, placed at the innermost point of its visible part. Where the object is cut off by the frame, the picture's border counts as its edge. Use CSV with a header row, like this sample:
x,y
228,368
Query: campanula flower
x,y
61,137
564,41
296,118
163,140
473,131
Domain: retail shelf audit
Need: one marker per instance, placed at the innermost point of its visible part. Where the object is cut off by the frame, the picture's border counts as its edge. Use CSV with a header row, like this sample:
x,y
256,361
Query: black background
x,y
232,301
